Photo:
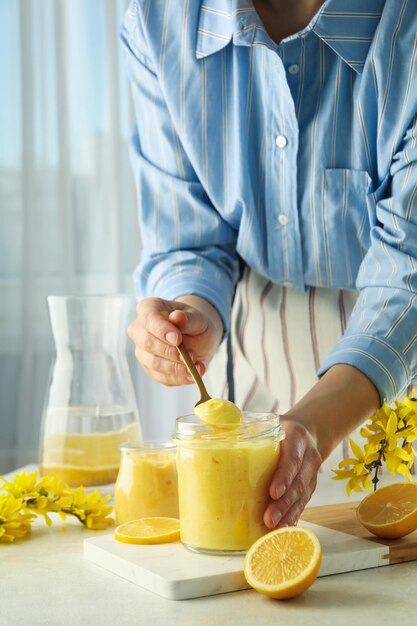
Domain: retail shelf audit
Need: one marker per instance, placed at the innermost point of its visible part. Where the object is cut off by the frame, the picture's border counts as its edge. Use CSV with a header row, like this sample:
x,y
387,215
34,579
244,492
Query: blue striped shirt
x,y
299,158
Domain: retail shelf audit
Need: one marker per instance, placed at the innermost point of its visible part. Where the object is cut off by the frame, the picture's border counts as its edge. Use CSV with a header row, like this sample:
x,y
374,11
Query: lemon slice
x,y
283,563
148,530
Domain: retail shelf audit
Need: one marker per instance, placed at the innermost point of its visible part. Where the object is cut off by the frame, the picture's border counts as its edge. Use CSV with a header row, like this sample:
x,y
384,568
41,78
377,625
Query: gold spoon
x,y
204,396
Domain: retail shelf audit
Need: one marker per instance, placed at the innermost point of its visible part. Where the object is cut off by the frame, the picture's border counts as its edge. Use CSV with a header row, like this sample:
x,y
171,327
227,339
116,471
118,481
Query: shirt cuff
x,y
375,358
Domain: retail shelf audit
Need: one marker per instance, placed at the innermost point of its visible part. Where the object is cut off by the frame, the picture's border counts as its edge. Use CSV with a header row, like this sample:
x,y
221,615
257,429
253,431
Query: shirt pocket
x,y
348,218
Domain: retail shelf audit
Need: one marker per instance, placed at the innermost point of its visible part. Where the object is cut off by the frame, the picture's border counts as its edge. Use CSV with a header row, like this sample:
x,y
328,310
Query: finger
x,y
293,515
173,370
155,325
146,342
190,322
298,493
291,459
147,345
152,317
169,379
288,513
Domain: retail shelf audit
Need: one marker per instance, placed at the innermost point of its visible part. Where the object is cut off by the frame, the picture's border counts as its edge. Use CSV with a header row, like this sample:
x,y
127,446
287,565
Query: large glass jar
x,y
90,406
147,484
223,480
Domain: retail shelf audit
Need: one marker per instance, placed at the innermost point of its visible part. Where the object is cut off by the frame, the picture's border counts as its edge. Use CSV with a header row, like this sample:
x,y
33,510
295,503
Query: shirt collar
x,y
345,26
221,21
349,27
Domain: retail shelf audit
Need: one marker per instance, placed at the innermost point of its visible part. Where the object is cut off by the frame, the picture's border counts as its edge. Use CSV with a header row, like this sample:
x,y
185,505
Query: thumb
x,y
190,322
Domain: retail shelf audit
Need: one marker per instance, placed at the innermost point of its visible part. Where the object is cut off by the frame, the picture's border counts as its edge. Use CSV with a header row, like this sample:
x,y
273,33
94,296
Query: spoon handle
x,y
194,373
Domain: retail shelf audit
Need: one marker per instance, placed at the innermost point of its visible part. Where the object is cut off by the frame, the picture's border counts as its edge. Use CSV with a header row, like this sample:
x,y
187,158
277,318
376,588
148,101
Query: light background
x,y
67,201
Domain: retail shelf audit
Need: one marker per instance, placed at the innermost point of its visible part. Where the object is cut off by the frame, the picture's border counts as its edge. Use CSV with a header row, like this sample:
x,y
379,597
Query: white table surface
x,y
45,580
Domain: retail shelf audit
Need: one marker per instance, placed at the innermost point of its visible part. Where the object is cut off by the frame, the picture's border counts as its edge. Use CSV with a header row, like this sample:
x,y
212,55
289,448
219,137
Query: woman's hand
x,y
161,325
295,478
338,403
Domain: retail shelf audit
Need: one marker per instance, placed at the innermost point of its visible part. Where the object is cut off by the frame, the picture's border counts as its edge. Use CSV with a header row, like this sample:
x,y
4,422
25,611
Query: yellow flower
x,y
90,509
389,435
399,460
31,496
355,469
48,495
15,522
22,486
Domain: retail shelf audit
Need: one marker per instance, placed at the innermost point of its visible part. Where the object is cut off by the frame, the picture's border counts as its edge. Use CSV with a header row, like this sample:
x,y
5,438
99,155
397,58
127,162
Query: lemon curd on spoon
x,y
218,412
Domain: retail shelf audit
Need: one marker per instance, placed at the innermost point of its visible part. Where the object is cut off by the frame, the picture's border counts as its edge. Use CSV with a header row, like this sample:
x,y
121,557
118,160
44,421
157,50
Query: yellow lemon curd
x,y
147,485
85,458
218,412
224,477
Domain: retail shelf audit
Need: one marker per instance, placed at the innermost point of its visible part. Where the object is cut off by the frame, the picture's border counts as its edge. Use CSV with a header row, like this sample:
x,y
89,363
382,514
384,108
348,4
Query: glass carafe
x,y
90,406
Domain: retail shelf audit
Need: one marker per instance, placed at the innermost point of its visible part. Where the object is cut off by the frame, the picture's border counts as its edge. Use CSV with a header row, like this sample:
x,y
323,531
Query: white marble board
x,y
172,571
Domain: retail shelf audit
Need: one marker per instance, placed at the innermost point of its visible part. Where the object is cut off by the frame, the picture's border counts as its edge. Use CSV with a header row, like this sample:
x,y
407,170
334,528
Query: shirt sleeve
x,y
187,247
381,336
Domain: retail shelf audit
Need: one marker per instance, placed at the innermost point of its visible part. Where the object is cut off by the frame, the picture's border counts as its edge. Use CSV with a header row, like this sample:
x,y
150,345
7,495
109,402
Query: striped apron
x,y
279,337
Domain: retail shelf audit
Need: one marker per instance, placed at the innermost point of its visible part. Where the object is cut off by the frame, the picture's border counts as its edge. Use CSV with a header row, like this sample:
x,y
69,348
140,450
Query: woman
x,y
275,155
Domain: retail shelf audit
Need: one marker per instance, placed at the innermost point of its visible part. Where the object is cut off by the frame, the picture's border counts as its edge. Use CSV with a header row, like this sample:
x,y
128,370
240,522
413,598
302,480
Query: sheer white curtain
x,y
67,201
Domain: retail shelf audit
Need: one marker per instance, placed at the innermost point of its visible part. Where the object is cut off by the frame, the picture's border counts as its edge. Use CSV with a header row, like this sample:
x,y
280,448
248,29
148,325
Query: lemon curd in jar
x,y
147,483
224,476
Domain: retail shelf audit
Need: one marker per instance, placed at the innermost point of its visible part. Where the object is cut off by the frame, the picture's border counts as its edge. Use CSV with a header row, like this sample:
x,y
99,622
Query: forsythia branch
x,y
389,435
26,496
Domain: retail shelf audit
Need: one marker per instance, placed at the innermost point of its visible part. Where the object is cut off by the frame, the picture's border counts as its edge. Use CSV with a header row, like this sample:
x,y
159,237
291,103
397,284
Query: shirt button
x,y
283,219
294,68
281,141
287,283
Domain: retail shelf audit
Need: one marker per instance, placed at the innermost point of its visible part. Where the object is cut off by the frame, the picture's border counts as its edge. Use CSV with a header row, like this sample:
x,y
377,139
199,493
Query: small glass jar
x,y
147,483
224,475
